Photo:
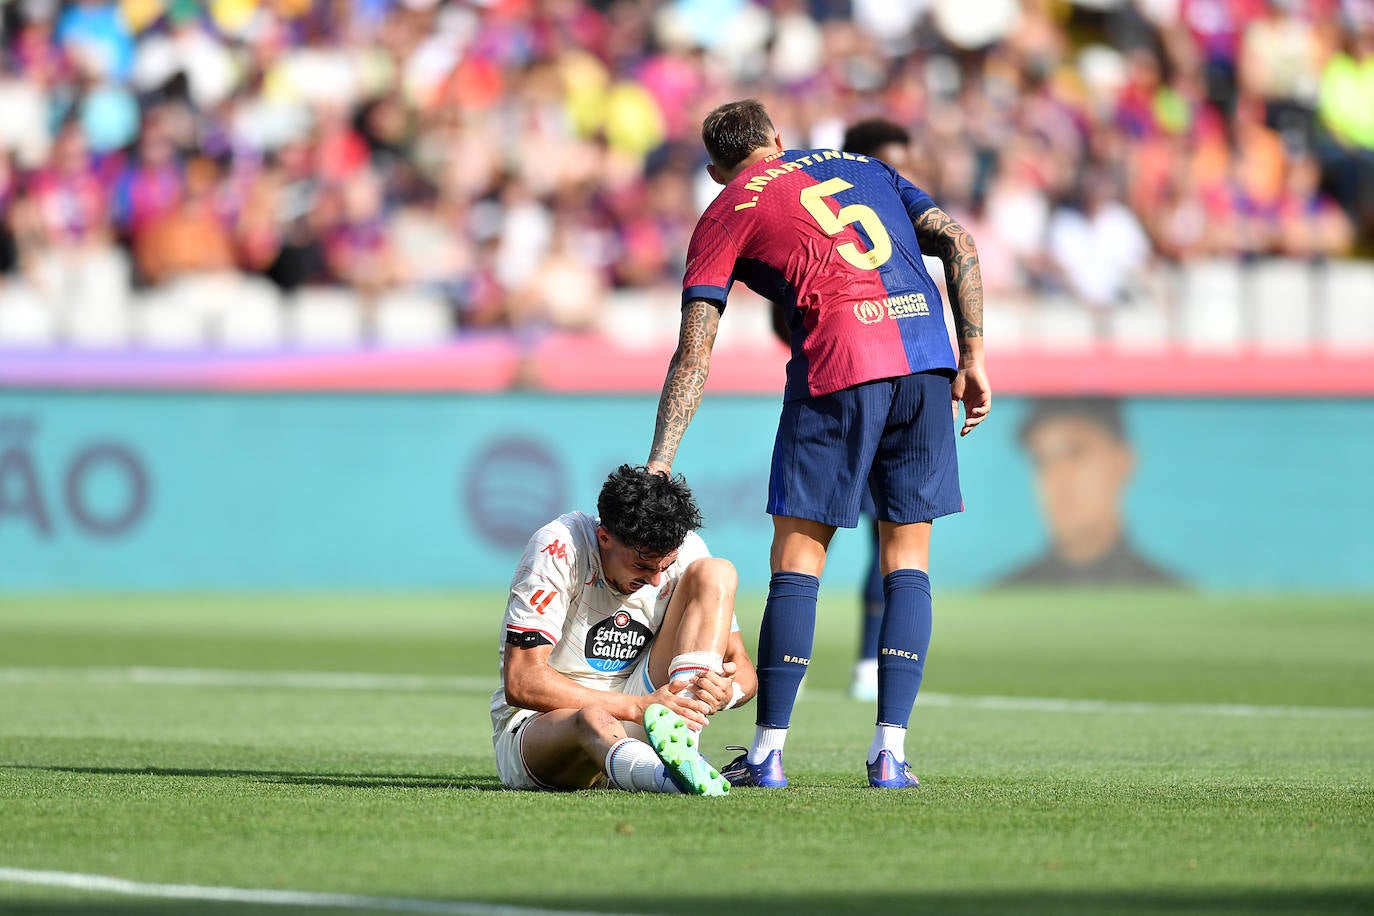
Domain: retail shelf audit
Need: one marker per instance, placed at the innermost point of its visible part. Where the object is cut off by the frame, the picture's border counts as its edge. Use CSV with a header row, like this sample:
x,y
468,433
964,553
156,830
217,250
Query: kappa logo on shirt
x,y
556,549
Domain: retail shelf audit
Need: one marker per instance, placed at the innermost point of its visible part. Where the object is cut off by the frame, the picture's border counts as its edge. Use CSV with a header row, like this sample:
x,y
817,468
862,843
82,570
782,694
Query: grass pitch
x,y
1106,753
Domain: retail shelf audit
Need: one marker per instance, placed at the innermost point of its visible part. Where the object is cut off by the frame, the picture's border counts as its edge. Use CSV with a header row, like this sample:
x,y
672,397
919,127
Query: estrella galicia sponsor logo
x,y
615,643
912,305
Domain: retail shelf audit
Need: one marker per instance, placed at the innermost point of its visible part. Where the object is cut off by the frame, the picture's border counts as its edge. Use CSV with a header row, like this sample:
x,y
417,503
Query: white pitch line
x,y
109,885
1046,704
219,677
421,683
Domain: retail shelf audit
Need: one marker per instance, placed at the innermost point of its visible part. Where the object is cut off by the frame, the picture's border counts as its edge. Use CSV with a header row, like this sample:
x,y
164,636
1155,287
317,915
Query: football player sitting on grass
x,y
619,642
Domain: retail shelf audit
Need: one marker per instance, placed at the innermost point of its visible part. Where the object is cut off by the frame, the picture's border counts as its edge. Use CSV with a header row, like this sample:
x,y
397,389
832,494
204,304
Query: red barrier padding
x,y
593,364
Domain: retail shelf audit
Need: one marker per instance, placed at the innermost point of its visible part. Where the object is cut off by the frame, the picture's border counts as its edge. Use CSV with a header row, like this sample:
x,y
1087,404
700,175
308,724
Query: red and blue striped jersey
x,y
830,236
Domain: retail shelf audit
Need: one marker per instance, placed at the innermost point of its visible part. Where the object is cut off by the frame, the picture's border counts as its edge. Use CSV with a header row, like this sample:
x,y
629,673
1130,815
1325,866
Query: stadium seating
x,y
1281,297
388,188
24,319
640,319
1218,305
1062,324
412,318
209,295
254,321
1004,320
1347,309
164,320
1142,326
324,318
98,325
1210,307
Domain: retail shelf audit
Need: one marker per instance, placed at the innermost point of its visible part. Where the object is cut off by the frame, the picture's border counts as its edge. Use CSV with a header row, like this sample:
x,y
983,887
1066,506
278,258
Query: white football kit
x,y
559,597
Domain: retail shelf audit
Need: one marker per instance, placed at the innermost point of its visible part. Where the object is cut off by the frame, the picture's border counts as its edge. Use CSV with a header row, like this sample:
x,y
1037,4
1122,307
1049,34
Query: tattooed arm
x,y
682,389
940,235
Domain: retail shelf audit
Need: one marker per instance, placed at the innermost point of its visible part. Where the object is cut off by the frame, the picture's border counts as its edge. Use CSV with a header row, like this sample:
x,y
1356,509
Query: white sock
x,y
690,694
634,767
866,670
691,664
888,738
688,665
692,726
766,740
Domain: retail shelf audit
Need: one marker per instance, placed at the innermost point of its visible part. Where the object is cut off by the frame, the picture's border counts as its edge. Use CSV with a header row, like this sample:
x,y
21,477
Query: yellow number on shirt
x,y
833,223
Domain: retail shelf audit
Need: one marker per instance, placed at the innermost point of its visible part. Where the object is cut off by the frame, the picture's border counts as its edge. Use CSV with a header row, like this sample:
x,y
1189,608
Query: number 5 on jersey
x,y
813,199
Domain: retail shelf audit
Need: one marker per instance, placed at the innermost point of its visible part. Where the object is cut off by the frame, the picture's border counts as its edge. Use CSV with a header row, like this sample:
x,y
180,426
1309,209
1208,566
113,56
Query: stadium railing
x,y
1211,325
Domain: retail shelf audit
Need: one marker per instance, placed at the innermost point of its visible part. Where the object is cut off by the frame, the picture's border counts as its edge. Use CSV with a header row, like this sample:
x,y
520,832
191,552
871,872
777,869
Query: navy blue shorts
x,y
893,438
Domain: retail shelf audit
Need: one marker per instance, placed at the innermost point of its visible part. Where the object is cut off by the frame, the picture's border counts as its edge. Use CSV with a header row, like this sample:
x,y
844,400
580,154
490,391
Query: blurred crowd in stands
x,y
526,158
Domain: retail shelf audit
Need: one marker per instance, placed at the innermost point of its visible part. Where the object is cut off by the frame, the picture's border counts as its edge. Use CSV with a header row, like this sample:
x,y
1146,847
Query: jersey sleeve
x,y
710,263
542,589
914,199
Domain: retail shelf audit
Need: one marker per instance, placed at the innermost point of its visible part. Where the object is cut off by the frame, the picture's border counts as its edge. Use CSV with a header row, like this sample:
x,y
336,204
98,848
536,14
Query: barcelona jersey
x,y
829,235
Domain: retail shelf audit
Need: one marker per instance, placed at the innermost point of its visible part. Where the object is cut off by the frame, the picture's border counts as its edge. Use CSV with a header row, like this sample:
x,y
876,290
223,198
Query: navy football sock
x,y
873,608
903,643
785,638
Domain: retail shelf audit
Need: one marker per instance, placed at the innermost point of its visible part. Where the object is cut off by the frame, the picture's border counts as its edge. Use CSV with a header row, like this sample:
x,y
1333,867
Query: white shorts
x,y
510,759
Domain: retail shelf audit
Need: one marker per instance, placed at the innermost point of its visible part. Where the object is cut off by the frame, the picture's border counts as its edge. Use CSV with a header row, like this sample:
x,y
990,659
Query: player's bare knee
x,y
712,576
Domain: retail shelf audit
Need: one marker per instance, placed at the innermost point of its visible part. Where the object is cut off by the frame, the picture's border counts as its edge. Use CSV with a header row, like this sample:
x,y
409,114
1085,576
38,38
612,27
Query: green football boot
x,y
676,746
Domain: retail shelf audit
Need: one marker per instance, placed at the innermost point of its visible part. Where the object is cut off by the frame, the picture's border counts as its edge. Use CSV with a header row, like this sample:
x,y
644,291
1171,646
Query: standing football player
x,y
619,641
837,238
890,142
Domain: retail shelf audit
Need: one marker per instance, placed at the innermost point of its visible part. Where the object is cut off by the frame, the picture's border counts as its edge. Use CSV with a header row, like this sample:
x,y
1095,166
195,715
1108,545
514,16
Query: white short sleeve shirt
x,y
560,597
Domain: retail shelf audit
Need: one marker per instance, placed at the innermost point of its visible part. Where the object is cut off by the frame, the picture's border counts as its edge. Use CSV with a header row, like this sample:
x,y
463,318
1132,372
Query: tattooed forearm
x,y
682,389
941,235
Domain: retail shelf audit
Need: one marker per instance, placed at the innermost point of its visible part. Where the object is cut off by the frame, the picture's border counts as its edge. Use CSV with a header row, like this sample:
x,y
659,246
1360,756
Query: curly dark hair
x,y
648,511
736,129
868,136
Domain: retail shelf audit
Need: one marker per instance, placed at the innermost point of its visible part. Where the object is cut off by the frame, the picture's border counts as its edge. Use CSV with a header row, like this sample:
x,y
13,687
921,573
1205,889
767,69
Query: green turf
x,y
1173,808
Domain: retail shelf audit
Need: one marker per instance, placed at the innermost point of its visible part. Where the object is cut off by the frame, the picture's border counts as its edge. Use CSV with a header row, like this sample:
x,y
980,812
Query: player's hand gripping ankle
x,y
694,711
